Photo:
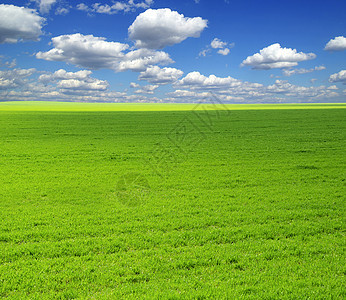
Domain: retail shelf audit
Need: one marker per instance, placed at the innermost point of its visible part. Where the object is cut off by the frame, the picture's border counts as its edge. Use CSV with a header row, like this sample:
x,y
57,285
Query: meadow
x,y
164,201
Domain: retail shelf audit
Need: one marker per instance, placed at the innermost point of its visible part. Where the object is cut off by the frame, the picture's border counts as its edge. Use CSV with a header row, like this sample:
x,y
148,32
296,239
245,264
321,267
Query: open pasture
x,y
100,201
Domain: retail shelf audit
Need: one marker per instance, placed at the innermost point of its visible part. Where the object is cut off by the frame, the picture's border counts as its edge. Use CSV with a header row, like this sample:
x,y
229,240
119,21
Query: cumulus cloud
x,y
159,75
147,89
14,78
117,7
196,80
301,92
62,11
62,74
336,44
9,64
83,7
19,24
227,88
45,5
6,83
188,94
338,77
22,84
204,52
141,59
77,84
216,43
182,96
84,51
158,28
223,51
91,52
80,80
302,71
134,85
194,86
34,92
274,56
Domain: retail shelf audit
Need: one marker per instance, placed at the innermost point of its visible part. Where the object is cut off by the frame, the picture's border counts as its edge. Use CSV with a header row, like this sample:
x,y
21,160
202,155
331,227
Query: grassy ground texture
x,y
145,201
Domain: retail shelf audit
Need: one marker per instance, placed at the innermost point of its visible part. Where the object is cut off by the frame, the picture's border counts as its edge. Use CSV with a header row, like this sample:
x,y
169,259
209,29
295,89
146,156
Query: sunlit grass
x,y
251,205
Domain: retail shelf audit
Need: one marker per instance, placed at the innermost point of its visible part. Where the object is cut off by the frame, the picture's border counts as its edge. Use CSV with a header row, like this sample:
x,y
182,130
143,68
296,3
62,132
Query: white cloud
x,y
106,9
147,89
82,7
14,78
45,5
196,80
158,28
62,11
84,51
134,85
19,23
62,74
204,52
34,92
338,77
223,51
80,80
21,84
160,75
76,84
188,94
274,56
10,64
200,97
91,52
336,44
302,71
194,85
301,92
142,4
228,88
218,44
6,84
115,8
141,59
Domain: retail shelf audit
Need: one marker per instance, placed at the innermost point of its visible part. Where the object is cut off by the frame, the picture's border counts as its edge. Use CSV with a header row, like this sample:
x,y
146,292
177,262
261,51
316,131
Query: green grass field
x,y
155,201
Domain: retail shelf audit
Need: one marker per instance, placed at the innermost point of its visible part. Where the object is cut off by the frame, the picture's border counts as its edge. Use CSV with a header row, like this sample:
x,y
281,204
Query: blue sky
x,y
173,51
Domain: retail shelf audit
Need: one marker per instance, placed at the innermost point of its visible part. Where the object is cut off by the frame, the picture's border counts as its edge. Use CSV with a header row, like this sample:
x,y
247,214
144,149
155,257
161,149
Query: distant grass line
x,y
78,106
